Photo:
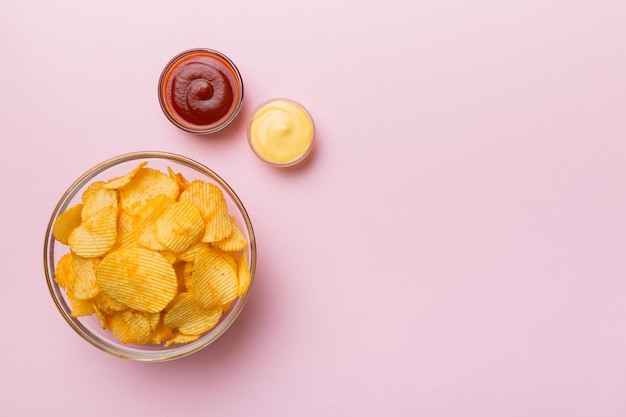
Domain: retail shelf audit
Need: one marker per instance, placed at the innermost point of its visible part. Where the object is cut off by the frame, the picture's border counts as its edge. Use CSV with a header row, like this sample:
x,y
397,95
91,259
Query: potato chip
x,y
161,333
67,221
78,307
140,278
182,182
100,199
169,255
179,338
231,257
130,326
96,235
180,226
107,304
204,195
126,236
102,317
189,316
65,274
235,242
218,227
85,286
145,185
122,181
144,221
93,188
213,282
189,255
244,275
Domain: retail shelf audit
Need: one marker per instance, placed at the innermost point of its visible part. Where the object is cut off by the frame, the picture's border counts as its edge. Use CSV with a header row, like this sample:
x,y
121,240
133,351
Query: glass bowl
x,y
88,327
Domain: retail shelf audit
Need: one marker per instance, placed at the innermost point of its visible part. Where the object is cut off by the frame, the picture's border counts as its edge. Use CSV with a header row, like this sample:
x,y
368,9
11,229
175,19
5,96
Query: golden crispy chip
x,y
130,326
227,307
207,196
100,199
65,274
79,307
189,255
140,278
122,181
67,221
218,227
189,316
145,185
244,275
85,286
179,338
235,242
169,255
107,304
231,257
96,235
179,226
93,188
126,237
213,282
182,182
161,333
144,221
102,317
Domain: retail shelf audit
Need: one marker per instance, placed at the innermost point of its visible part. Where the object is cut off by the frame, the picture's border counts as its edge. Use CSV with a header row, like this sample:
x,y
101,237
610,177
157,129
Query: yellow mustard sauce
x,y
281,132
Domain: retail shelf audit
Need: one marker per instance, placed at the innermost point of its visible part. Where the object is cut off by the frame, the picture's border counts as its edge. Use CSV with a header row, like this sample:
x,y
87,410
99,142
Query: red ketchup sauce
x,y
201,91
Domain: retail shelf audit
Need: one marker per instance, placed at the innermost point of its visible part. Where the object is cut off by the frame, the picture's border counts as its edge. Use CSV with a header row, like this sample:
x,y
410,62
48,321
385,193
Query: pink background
x,y
456,245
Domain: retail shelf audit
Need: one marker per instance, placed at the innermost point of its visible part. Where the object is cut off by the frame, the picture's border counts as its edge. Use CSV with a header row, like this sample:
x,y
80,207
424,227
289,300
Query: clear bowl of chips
x,y
150,256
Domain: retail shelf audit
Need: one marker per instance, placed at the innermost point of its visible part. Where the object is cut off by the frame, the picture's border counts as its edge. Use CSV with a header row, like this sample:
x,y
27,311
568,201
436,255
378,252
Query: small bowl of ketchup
x,y
200,91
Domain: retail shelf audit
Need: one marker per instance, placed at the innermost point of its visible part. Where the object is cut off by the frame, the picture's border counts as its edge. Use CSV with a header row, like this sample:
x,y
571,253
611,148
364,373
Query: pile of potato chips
x,y
157,258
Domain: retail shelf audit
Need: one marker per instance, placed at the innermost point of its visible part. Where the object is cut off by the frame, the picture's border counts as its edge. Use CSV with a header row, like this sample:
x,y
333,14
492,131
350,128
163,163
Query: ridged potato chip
x,y
218,227
208,197
67,221
123,181
126,235
179,338
144,221
99,200
130,326
161,333
213,282
145,185
182,182
93,188
243,274
107,304
235,242
179,226
140,278
78,307
85,286
96,235
65,274
188,316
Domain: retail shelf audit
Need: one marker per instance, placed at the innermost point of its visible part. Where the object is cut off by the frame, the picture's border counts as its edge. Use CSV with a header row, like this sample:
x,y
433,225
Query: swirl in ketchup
x,y
201,91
